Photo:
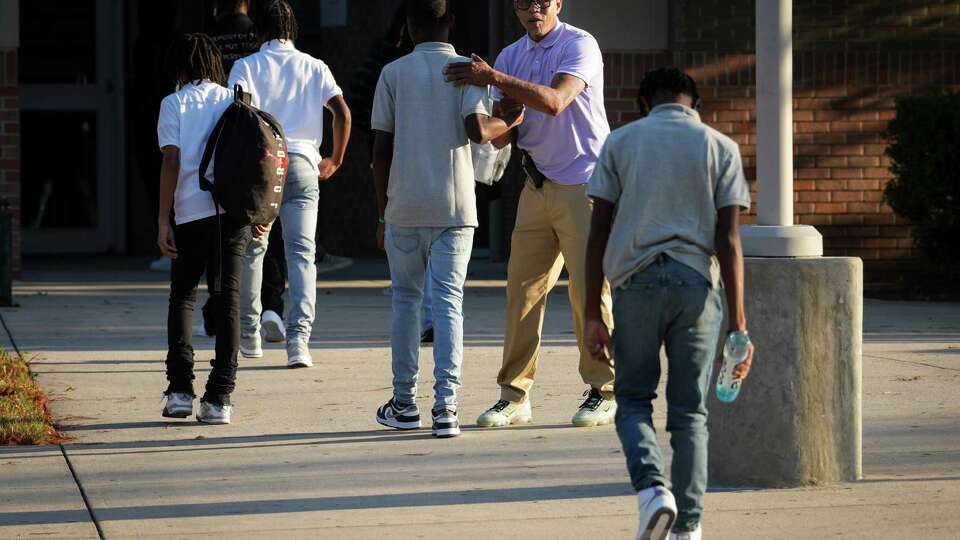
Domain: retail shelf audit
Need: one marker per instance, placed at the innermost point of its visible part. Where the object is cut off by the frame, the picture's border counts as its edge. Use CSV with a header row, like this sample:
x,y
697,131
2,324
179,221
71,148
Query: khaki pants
x,y
553,223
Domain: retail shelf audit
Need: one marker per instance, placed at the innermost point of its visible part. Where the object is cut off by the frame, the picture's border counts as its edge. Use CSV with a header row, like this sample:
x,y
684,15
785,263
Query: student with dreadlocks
x,y
667,193
193,243
293,87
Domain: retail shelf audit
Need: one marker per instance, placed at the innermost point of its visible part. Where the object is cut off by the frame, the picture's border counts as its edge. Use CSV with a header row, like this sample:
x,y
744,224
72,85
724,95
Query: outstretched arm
x,y
552,100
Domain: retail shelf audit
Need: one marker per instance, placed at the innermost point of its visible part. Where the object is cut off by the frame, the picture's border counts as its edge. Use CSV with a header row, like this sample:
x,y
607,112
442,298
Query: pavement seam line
x,y
83,493
912,362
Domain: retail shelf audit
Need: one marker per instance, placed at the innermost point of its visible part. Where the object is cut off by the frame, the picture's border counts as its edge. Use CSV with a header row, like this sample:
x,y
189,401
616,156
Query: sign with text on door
x,y
333,13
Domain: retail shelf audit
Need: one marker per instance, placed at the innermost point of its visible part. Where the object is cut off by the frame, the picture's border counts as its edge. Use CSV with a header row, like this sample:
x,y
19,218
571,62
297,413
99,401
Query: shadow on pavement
x,y
324,504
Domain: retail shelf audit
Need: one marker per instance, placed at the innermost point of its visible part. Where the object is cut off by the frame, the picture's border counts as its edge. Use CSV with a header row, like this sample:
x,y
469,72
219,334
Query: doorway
x,y
71,97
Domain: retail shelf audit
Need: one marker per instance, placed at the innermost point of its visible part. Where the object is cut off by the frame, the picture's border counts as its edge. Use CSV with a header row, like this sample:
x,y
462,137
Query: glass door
x,y
72,151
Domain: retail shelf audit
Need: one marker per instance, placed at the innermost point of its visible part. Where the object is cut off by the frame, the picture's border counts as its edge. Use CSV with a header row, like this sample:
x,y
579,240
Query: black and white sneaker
x,y
399,415
445,422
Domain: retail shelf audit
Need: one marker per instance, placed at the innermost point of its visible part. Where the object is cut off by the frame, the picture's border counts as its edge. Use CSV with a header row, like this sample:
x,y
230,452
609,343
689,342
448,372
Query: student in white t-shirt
x,y
295,88
186,119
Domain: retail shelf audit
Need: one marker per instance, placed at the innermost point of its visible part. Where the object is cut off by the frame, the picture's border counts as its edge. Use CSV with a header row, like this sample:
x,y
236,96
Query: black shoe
x,y
426,336
445,422
399,415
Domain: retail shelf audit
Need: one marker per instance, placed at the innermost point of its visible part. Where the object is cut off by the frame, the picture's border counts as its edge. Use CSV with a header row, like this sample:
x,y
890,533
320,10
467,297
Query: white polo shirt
x,y
292,86
186,119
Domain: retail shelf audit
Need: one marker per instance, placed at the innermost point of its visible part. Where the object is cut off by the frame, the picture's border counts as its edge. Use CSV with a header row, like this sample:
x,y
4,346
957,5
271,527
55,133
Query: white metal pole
x,y
775,112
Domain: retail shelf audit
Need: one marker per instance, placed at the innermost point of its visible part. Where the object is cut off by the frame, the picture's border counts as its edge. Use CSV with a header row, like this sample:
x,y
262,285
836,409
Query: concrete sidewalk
x,y
304,457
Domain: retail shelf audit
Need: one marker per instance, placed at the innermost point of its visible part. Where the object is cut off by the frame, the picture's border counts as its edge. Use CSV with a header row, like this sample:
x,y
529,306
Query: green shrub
x,y
925,154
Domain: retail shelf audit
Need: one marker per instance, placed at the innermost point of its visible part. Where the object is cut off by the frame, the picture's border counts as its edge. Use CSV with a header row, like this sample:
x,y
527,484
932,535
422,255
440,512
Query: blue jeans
x,y
298,213
446,252
426,317
670,304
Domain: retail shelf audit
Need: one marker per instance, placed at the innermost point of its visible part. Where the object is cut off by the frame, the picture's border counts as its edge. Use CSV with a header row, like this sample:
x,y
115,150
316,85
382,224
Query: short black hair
x,y
668,80
276,20
428,12
197,56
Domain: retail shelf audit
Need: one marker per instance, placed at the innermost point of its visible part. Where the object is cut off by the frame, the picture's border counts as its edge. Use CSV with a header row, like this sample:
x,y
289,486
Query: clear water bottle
x,y
734,352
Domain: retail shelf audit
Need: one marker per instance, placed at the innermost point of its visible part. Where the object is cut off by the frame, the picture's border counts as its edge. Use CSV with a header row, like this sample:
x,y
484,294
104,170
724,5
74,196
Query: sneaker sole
x,y
213,422
592,423
512,422
446,433
299,364
183,413
658,528
404,426
251,354
273,332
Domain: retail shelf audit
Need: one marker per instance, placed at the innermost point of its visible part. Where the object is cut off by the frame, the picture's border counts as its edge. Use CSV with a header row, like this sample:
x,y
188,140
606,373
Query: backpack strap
x,y
207,185
212,141
240,96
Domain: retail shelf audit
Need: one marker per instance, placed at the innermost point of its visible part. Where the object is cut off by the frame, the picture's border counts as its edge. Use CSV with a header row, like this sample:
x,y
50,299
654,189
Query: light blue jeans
x,y
446,252
298,213
426,317
670,304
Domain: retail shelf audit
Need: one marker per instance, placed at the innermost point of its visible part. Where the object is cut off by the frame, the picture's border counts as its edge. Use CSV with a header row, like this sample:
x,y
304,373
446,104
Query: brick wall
x,y
852,58
10,143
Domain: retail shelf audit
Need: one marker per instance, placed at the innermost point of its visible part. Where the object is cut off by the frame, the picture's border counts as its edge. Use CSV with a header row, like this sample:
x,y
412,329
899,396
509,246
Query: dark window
x,y
58,42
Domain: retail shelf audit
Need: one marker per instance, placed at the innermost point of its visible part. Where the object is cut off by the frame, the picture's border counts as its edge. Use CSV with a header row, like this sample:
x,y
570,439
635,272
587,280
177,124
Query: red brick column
x,y
10,143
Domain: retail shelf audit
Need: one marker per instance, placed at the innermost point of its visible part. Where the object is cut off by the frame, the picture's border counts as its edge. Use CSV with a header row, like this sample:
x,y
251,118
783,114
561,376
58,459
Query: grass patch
x,y
24,417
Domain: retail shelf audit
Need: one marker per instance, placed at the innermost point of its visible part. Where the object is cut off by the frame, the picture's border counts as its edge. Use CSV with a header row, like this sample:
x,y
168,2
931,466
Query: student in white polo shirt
x,y
194,242
294,87
423,170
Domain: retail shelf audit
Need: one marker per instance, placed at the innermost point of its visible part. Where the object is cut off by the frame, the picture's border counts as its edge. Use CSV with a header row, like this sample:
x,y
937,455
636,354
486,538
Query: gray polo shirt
x,y
431,178
668,174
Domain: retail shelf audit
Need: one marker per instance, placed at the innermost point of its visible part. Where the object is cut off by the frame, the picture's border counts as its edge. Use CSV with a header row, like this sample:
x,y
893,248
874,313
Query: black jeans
x,y
199,249
274,281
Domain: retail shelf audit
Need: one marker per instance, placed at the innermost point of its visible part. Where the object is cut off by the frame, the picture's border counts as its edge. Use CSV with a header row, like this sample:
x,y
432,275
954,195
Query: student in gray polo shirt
x,y
667,192
424,178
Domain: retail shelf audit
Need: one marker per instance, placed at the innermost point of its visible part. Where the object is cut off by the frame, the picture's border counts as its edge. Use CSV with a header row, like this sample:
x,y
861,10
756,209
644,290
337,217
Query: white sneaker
x,y
505,413
179,405
695,534
272,326
211,413
596,410
250,346
658,512
298,354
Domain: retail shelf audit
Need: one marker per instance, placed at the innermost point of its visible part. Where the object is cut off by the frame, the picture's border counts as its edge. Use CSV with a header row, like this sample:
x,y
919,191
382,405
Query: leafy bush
x,y
925,151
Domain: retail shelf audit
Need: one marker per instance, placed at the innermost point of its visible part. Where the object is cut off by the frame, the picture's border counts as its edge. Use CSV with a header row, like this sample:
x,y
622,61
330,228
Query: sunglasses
x,y
524,5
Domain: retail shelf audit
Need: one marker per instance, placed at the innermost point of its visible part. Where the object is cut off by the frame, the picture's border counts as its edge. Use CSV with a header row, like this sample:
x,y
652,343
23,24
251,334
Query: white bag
x,y
489,164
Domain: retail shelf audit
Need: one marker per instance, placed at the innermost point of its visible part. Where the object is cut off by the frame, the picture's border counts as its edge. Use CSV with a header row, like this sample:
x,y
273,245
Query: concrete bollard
x,y
797,420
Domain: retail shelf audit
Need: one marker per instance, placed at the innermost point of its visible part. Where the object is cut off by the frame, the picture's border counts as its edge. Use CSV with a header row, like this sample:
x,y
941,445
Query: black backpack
x,y
251,164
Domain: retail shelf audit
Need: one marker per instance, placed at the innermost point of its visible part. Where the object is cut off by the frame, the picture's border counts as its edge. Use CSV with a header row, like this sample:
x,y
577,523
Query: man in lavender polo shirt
x,y
556,73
